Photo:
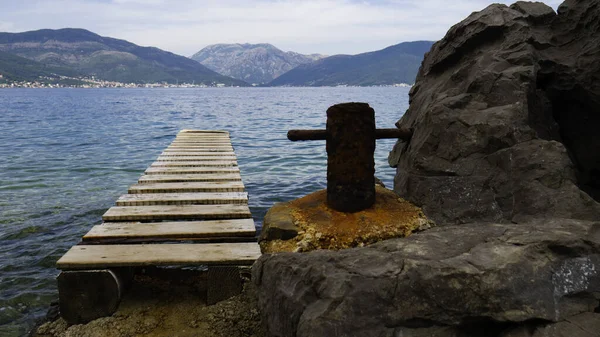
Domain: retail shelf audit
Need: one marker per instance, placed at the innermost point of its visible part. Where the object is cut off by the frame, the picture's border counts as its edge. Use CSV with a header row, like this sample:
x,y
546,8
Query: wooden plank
x,y
174,178
203,149
203,146
203,141
199,198
110,256
206,136
196,153
203,137
193,131
203,186
197,163
191,158
202,134
176,212
200,147
190,170
173,230
216,151
186,143
181,134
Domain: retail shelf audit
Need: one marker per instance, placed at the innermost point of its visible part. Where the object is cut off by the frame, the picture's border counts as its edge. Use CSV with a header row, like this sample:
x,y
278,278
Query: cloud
x,y
307,26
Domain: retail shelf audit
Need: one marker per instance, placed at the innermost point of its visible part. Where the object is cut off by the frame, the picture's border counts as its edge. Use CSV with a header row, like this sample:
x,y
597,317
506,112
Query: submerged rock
x,y
505,112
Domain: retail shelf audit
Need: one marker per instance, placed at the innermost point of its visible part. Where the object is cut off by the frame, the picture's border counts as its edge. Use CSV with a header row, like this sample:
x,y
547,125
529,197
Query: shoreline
x,y
162,300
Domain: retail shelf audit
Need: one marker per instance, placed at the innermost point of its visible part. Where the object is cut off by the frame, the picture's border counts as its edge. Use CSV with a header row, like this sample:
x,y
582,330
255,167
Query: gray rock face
x,y
253,63
505,155
505,112
436,283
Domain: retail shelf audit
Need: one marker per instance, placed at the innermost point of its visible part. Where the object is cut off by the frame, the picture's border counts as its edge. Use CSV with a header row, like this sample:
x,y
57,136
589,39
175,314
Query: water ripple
x,y
67,155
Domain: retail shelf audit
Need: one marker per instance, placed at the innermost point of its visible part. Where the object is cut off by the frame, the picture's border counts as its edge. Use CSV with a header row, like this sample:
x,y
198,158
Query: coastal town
x,y
92,82
88,84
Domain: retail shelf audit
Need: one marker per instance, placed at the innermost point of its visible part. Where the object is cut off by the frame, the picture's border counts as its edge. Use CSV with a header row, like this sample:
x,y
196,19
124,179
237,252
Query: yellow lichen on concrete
x,y
321,227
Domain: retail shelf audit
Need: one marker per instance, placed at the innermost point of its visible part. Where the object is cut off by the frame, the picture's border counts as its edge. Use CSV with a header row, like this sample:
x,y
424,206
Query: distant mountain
x,y
253,63
107,58
395,64
16,68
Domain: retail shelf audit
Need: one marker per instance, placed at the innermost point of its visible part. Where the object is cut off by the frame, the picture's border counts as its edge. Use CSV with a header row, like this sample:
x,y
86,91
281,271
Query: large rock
x,y
444,280
505,155
505,112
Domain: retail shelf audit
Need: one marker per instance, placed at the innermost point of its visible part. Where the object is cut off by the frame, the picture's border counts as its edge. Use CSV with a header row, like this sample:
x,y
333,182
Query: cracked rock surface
x,y
505,159
505,112
441,282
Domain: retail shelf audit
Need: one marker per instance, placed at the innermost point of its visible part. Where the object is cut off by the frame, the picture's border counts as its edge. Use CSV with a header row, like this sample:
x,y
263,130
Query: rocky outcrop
x,y
441,282
504,111
505,156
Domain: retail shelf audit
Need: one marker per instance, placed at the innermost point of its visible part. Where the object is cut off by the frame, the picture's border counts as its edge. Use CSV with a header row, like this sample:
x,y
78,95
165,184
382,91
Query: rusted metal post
x,y
350,136
350,162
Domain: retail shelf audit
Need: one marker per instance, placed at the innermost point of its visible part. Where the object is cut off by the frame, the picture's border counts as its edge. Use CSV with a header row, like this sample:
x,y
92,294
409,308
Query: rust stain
x,y
322,227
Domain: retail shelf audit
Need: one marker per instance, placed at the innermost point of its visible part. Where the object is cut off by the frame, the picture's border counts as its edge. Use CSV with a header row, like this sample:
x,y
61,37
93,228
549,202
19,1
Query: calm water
x,y
67,154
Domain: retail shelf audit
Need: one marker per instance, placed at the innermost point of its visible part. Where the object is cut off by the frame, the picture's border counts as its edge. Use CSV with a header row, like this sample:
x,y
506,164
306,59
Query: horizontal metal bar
x,y
296,135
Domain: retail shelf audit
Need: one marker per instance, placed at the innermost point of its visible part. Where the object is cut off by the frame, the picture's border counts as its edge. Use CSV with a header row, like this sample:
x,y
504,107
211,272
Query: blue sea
x,y
66,155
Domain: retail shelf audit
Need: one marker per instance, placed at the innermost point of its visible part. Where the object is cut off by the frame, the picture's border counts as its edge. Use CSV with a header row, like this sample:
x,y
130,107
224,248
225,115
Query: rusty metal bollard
x,y
350,141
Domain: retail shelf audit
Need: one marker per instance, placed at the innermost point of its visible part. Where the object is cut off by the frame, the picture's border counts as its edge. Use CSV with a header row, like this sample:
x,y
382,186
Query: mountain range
x,y
395,64
16,68
67,55
253,63
86,53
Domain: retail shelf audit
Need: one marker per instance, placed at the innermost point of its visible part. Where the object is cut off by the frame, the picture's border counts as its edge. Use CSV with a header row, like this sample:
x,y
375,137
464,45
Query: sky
x,y
306,26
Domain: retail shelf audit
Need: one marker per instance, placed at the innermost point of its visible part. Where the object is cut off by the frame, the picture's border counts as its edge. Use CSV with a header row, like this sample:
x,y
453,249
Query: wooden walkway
x,y
188,208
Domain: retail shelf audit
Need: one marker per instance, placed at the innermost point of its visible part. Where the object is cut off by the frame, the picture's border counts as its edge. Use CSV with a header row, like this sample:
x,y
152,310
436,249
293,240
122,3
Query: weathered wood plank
x,y
203,131
202,137
176,178
202,186
205,144
191,158
197,163
209,137
201,142
207,134
195,149
201,145
196,153
107,256
188,170
199,198
181,230
203,149
176,212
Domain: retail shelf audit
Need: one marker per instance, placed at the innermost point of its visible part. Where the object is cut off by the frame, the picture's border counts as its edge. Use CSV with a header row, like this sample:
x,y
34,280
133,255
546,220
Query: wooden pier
x,y
189,208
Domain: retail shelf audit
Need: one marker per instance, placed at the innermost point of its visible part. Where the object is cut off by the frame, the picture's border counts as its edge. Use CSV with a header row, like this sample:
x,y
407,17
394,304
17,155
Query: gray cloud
x,y
307,26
